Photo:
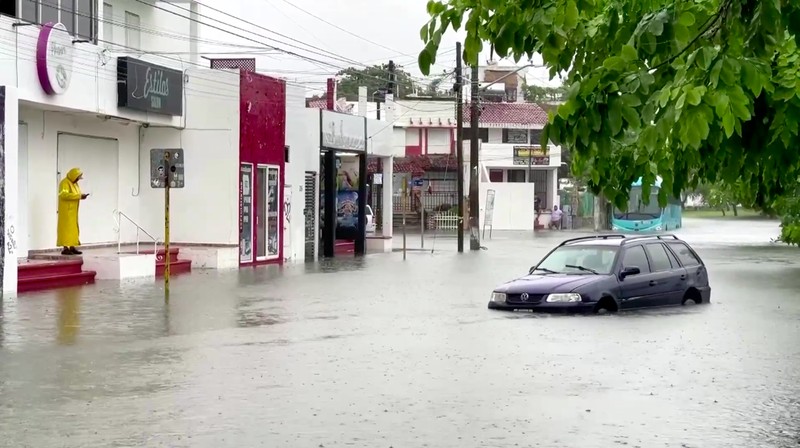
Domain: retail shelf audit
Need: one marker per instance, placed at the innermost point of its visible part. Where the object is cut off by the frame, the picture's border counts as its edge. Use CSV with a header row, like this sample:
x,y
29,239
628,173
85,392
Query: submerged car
x,y
608,273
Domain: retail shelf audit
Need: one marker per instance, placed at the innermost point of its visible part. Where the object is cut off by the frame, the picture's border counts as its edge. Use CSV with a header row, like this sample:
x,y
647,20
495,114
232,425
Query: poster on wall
x,y
245,213
287,222
273,212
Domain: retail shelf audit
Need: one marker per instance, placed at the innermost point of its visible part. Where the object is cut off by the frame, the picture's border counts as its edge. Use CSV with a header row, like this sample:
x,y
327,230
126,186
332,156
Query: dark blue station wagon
x,y
608,273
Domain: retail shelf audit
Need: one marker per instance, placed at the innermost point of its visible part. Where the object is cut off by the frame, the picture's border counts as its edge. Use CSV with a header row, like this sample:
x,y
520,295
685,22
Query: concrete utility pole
x,y
474,203
460,144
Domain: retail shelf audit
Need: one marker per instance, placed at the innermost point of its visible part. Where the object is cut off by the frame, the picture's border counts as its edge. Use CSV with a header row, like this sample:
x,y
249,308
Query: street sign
x,y
166,166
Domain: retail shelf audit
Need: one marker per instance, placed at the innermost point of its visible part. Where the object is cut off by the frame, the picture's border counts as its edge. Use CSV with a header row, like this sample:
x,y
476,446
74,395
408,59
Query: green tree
x,y
374,77
701,91
434,86
540,94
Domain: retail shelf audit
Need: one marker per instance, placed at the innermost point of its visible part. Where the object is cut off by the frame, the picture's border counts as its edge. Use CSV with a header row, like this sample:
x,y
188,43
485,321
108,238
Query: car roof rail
x,y
666,236
593,237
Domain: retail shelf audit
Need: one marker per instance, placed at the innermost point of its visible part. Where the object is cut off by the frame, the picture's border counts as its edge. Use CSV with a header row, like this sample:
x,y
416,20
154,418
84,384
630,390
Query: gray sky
x,y
388,29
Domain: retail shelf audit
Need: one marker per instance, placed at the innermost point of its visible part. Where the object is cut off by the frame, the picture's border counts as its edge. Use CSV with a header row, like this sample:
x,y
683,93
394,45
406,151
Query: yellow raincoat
x,y
69,198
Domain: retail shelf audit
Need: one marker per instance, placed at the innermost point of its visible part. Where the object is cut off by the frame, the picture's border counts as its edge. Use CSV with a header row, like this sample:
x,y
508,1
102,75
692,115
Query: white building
x,y
90,93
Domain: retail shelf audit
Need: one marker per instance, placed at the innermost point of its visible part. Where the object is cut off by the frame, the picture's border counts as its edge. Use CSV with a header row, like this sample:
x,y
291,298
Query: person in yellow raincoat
x,y
69,199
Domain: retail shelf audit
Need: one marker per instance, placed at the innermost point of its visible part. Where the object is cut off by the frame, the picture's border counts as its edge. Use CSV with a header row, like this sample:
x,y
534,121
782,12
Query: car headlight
x,y
498,297
569,297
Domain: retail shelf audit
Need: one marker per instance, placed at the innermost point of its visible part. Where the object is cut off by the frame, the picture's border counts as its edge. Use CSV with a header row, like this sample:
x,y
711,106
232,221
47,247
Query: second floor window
x,y
132,36
78,16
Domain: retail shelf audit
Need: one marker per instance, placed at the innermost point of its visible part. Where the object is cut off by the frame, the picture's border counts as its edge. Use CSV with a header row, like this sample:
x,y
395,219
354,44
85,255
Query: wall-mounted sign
x,y
531,155
166,166
245,212
343,131
149,87
54,58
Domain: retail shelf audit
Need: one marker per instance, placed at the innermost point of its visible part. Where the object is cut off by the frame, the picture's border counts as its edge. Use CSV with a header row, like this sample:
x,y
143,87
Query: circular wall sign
x,y
54,58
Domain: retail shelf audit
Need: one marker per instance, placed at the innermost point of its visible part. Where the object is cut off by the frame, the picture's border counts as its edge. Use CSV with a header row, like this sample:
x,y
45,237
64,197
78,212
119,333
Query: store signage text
x,y
149,87
54,58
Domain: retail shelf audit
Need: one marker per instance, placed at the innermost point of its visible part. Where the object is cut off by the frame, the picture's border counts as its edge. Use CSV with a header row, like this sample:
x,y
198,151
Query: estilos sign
x,y
149,87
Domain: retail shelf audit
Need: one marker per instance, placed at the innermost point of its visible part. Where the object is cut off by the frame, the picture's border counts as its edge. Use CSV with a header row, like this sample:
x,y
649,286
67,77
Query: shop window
x,y
495,175
518,136
132,36
108,24
517,176
8,9
78,16
483,133
536,136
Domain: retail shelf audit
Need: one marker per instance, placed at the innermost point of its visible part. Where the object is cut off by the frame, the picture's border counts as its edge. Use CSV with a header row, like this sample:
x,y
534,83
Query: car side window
x,y
635,257
673,260
659,259
685,255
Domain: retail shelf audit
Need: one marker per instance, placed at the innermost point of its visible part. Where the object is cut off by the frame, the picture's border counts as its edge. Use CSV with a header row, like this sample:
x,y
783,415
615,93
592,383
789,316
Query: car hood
x,y
548,283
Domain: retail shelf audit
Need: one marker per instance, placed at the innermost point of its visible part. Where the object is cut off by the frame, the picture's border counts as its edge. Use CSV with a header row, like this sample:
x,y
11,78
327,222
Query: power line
x,y
343,29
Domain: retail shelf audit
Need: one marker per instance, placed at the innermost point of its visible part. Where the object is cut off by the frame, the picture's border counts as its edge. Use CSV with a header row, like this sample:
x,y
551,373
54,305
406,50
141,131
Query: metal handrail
x,y
118,215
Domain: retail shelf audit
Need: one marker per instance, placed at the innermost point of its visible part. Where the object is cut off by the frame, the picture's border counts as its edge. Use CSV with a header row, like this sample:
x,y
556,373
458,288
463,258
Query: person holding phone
x,y
69,199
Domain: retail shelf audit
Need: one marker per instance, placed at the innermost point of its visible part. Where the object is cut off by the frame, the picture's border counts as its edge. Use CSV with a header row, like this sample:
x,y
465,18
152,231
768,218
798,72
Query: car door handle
x,y
683,276
653,283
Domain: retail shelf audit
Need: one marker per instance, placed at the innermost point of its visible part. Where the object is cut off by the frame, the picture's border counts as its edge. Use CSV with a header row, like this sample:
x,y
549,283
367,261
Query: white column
x,y
194,33
552,179
362,101
387,219
9,147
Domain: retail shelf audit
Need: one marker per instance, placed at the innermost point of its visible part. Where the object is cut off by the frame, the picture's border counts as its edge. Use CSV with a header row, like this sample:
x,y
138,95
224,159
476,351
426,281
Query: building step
x,y
174,253
175,267
44,275
344,247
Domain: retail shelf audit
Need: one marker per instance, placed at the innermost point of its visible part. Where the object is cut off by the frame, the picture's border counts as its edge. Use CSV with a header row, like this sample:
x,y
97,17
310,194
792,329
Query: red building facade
x,y
262,163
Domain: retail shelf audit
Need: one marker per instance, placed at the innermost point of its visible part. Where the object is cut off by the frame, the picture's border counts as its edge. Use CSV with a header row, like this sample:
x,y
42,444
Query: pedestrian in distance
x,y
555,218
69,199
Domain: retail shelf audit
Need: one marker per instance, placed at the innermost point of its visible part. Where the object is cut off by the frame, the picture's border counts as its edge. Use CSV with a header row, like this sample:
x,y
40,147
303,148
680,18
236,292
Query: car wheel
x,y
692,297
606,305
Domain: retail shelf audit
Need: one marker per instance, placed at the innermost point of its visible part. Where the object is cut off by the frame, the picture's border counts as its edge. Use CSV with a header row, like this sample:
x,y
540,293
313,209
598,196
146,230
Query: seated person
x,y
555,218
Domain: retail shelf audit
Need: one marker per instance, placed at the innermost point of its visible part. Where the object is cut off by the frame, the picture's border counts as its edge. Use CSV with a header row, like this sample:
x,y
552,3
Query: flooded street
x,y
378,352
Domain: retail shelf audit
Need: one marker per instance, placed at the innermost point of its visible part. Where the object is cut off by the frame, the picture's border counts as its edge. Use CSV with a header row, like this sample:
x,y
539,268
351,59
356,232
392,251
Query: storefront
x,y
261,169
343,168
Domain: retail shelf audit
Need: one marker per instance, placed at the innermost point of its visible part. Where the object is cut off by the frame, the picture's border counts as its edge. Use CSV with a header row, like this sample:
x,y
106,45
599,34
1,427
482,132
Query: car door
x,y
636,291
696,274
669,277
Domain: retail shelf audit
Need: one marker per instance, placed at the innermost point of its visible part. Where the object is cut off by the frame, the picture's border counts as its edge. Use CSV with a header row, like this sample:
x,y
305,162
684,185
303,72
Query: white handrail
x,y
118,215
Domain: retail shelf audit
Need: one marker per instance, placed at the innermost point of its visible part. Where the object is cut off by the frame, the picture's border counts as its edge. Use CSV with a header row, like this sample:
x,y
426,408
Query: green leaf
x,y
631,100
681,33
615,117
694,96
571,15
686,18
423,33
614,63
681,101
656,28
629,53
631,117
424,60
728,123
751,78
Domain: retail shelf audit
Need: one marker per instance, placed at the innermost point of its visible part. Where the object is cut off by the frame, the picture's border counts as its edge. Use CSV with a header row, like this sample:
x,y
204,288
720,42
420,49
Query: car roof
x,y
616,240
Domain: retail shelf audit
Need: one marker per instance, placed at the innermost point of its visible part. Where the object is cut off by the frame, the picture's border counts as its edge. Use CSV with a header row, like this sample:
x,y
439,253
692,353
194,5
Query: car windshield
x,y
579,260
637,210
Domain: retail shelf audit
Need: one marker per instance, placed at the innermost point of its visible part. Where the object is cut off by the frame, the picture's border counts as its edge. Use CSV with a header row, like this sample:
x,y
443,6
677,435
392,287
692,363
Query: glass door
x,y
246,213
261,212
274,218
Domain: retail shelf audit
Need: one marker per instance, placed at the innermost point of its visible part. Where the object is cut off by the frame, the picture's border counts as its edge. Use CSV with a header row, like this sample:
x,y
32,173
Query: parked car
x,y
370,220
607,273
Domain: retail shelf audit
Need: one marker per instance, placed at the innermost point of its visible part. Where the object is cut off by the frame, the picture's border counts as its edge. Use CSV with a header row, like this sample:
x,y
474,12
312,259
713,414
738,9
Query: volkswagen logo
x,y
524,296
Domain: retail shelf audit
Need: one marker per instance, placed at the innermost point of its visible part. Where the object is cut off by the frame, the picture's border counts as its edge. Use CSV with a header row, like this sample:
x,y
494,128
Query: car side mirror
x,y
628,271
531,270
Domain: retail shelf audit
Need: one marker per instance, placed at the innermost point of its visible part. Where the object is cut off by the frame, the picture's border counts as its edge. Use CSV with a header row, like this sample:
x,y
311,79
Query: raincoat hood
x,y
74,174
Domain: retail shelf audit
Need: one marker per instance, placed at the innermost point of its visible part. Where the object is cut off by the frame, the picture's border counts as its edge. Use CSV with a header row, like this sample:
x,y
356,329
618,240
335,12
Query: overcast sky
x,y
359,32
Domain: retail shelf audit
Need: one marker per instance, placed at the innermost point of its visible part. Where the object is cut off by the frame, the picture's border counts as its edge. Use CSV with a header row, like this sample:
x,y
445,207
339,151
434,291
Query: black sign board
x,y
149,87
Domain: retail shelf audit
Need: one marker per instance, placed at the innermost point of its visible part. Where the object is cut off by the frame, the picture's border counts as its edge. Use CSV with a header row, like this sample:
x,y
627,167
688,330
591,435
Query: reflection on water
x,y
69,321
375,351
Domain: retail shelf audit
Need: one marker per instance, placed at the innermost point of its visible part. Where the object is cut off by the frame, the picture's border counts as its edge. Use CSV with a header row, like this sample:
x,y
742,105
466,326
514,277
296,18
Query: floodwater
x,y
381,352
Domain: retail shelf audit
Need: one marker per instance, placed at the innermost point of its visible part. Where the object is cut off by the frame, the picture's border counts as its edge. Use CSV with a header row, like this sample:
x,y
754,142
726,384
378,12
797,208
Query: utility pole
x,y
474,203
460,145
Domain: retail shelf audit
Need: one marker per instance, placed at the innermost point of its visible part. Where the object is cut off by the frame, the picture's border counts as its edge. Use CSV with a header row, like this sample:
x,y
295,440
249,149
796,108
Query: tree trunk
x,y
735,210
723,211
